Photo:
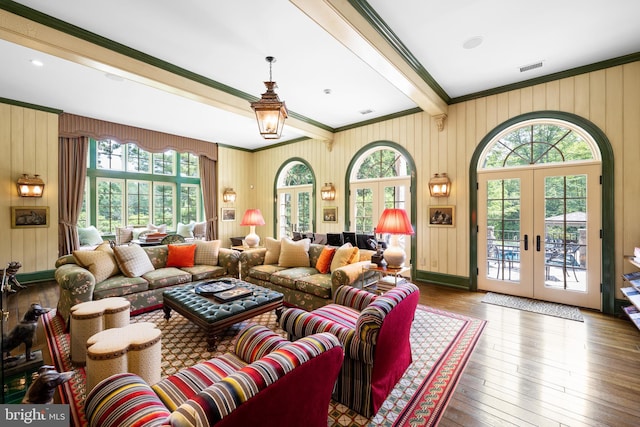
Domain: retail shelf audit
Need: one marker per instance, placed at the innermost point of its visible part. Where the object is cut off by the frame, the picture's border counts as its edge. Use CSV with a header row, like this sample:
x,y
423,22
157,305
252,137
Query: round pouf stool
x,y
89,318
135,348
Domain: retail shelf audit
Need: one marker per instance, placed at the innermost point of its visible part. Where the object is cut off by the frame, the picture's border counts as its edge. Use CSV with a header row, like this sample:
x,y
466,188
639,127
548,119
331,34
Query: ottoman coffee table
x,y
214,315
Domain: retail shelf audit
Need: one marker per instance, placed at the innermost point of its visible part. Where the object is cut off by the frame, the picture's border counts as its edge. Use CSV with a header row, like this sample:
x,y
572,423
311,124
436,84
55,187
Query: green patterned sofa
x,y
304,286
92,275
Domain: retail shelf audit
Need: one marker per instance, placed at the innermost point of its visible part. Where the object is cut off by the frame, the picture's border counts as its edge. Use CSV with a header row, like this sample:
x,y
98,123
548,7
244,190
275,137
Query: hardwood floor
x,y
527,369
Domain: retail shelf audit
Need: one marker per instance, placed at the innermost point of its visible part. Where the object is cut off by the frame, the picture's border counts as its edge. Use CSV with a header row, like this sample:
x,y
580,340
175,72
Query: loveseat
x,y
139,274
266,381
302,280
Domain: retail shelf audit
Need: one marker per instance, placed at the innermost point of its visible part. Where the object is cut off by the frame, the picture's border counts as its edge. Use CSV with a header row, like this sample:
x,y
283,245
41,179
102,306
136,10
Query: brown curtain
x,y
208,174
72,173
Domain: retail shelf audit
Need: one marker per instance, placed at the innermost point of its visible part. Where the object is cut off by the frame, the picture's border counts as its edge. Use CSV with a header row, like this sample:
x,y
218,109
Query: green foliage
x,y
383,163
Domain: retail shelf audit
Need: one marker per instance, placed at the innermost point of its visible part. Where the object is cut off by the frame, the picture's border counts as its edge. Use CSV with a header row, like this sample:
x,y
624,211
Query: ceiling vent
x,y
530,67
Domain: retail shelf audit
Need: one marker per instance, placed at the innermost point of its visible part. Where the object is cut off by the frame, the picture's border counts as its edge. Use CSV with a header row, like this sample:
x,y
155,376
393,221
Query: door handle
x,y
526,242
538,243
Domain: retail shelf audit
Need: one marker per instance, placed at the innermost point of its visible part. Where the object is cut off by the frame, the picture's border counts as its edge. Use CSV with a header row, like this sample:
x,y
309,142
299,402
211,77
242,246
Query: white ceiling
x,y
318,44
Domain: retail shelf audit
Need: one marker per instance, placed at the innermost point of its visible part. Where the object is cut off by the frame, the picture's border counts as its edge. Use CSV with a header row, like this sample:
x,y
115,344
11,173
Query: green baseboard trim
x,y
459,282
35,277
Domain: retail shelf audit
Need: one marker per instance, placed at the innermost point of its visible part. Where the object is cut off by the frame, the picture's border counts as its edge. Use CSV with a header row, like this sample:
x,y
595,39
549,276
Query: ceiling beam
x,y
350,28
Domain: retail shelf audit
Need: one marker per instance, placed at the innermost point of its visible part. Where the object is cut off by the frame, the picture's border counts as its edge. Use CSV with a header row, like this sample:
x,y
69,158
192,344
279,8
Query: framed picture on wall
x,y
29,216
442,216
228,214
330,214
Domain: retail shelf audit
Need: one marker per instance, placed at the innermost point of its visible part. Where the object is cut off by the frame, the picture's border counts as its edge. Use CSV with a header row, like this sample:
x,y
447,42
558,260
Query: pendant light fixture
x,y
270,111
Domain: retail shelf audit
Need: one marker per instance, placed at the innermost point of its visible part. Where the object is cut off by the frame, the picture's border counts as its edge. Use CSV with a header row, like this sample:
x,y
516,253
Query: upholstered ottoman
x,y
91,317
135,348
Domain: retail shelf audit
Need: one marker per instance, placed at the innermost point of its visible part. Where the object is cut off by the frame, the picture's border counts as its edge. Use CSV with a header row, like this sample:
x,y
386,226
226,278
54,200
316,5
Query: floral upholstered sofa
x,y
265,381
307,274
139,274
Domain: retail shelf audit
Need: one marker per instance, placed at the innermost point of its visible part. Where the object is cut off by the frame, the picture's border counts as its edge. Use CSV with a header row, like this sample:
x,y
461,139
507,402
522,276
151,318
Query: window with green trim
x,y
127,185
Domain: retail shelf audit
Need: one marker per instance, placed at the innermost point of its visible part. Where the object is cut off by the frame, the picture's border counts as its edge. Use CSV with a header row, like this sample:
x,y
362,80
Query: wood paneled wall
x,y
28,141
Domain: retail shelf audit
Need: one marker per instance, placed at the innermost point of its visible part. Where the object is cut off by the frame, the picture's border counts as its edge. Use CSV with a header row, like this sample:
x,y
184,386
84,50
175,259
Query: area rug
x,y
535,306
442,343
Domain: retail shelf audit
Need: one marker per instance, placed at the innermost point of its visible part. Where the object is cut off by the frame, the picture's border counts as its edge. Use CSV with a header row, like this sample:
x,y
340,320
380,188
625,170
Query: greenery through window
x,y
383,163
127,185
295,186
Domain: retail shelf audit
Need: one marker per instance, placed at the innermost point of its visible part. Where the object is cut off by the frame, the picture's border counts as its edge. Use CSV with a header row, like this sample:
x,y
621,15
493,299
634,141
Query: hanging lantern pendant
x,y
270,111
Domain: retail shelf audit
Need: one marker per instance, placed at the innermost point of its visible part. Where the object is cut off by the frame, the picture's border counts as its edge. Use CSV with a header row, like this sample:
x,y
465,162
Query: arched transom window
x,y
295,189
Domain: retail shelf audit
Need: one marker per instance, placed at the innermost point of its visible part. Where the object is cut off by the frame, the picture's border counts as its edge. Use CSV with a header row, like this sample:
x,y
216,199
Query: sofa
x,y
265,381
305,278
139,274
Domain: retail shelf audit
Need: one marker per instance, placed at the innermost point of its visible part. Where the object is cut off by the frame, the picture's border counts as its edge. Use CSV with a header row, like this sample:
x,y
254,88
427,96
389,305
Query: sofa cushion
x,y
324,261
118,286
207,252
168,276
315,251
89,236
315,284
132,260
264,272
272,255
185,230
288,277
202,272
181,255
294,254
100,262
345,255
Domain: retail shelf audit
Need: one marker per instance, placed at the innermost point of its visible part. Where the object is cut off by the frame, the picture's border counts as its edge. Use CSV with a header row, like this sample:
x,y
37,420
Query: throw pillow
x,y
185,230
345,255
139,230
89,236
200,230
294,254
124,235
181,255
100,262
324,261
273,251
207,252
162,228
132,260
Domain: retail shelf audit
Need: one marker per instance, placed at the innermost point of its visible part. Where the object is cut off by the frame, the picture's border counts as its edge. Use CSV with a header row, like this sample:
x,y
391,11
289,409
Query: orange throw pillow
x,y
181,255
324,260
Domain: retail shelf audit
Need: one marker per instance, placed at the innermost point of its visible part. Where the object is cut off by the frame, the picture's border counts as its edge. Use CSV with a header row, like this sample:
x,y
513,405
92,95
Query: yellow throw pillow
x,y
273,251
345,255
207,252
294,254
100,262
133,260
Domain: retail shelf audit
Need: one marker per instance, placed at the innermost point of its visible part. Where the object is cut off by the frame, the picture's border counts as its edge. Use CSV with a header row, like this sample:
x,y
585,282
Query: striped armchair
x,y
374,331
258,384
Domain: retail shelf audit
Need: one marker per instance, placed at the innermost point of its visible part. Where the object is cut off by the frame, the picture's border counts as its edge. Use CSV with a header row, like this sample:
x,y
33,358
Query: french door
x,y
539,233
294,210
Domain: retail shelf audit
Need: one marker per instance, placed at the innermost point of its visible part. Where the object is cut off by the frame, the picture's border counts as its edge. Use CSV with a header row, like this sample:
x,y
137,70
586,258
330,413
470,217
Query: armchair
x,y
374,332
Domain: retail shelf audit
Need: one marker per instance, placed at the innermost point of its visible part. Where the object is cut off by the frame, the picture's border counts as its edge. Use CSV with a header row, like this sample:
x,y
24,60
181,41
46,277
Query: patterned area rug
x,y
442,343
535,306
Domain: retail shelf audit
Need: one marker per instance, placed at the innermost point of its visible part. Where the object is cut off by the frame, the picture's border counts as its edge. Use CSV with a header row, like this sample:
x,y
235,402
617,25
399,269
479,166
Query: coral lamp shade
x,y
252,217
394,221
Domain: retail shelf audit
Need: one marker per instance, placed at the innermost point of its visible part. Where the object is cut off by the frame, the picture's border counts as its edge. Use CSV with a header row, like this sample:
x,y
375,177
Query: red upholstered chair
x,y
374,331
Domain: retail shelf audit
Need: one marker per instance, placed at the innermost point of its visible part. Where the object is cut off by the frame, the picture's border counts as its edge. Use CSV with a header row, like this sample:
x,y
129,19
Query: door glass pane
x,y
304,212
284,214
503,229
364,210
566,232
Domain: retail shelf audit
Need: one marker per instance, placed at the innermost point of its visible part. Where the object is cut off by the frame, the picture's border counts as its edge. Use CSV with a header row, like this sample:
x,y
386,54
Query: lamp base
x,y
252,240
395,257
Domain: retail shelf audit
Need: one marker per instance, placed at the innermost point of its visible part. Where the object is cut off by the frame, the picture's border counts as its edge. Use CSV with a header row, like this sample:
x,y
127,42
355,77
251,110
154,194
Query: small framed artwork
x,y
29,216
228,214
442,216
330,214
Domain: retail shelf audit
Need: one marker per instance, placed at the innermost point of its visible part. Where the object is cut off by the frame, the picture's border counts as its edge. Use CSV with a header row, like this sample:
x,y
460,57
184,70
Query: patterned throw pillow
x,y
132,260
345,255
324,261
100,262
207,252
124,235
273,251
294,254
200,230
181,255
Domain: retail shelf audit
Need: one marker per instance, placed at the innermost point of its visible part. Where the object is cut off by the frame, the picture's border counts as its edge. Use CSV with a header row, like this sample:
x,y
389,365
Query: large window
x,y
127,185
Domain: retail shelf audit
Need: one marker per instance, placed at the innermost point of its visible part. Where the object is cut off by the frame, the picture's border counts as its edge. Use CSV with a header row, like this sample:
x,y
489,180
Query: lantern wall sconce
x,y
328,191
440,185
30,186
229,196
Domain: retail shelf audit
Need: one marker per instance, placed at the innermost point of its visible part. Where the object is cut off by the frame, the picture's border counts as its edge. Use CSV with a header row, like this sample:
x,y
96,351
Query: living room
x,y
607,96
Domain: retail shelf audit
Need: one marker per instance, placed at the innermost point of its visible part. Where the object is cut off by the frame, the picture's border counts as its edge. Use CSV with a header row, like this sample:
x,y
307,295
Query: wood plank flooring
x,y
527,369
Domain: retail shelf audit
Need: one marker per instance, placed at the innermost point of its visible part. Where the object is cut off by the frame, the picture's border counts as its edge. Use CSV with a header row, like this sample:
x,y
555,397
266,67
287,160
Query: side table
x,y
389,277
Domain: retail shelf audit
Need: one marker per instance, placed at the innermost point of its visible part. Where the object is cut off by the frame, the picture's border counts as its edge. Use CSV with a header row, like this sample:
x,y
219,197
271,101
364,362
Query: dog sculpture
x,y
9,277
24,332
44,385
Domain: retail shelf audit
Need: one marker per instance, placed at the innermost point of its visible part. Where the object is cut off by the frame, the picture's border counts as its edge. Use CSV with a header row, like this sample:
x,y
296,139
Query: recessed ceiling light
x,y
473,42
327,91
367,111
114,77
37,63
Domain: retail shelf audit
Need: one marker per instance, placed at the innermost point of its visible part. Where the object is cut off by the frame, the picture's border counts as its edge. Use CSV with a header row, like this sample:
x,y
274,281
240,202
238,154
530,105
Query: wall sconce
x,y
328,191
30,186
229,196
439,185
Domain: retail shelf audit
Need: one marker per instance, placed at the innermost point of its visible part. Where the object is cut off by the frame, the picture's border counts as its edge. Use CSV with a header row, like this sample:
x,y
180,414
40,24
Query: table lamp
x,y
252,217
395,222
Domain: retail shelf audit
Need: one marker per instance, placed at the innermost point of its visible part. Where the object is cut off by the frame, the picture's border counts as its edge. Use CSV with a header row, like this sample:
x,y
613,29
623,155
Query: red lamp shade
x,y
394,221
252,217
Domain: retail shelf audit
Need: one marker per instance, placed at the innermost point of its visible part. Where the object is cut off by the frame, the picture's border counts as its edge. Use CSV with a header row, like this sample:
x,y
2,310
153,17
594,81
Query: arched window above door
x,y
380,162
295,189
539,142
295,173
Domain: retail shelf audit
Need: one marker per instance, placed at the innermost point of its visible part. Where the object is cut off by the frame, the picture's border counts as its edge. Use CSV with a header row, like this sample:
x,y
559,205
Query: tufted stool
x,y
91,317
135,348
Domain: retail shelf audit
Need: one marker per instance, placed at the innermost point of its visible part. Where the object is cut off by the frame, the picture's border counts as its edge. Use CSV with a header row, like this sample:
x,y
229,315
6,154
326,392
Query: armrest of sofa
x,y
76,286
256,341
250,258
351,275
123,391
65,259
230,260
355,298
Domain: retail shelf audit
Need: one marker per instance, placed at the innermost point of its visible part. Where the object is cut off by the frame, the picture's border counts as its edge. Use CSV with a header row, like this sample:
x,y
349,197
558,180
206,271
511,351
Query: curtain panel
x,y
72,173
